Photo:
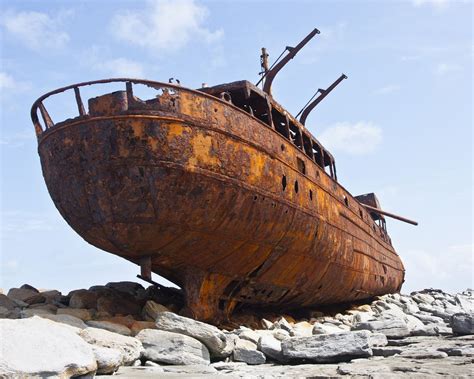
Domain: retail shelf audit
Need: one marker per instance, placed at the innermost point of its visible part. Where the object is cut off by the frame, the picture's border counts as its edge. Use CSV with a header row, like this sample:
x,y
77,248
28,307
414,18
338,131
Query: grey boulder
x,y
151,310
130,347
392,327
246,351
172,348
39,347
22,293
271,347
83,299
108,360
65,319
463,323
214,339
325,348
110,326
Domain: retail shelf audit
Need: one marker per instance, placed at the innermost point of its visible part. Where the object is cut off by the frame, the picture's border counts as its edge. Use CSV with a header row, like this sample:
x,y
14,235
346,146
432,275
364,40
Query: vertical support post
x,y
287,127
264,62
322,158
300,137
129,89
46,118
145,267
80,105
36,123
270,117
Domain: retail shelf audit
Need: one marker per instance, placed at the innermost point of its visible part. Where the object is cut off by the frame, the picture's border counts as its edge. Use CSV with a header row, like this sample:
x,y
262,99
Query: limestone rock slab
x,y
172,348
214,339
40,347
328,347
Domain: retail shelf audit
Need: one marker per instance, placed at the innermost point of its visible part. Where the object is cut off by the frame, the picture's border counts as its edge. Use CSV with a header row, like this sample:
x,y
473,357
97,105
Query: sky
x,y
399,126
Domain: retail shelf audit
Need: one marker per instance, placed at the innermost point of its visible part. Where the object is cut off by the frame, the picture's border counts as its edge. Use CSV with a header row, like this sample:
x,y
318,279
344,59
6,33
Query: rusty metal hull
x,y
215,198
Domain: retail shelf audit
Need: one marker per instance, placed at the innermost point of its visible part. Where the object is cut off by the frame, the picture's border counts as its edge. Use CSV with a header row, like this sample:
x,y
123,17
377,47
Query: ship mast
x,y
269,73
264,62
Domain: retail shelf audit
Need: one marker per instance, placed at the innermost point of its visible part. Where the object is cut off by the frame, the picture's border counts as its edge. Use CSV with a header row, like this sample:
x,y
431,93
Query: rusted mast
x,y
292,51
323,94
264,62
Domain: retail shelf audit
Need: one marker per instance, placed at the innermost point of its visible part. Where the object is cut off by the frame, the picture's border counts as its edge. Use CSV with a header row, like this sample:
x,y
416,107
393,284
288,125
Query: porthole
x,y
296,186
310,194
282,147
283,182
346,200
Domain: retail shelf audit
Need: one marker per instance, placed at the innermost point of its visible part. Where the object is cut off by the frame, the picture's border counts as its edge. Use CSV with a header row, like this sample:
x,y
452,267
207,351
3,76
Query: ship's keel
x,y
204,300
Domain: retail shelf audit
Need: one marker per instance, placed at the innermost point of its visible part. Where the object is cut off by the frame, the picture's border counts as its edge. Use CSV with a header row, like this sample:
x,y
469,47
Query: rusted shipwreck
x,y
220,190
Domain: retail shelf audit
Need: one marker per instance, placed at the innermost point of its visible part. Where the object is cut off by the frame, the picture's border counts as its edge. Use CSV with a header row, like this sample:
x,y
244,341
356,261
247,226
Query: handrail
x,y
47,119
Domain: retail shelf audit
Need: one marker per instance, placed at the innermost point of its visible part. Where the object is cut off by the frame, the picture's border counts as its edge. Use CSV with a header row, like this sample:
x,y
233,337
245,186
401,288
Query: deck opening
x,y
295,135
259,108
307,144
280,124
318,155
301,166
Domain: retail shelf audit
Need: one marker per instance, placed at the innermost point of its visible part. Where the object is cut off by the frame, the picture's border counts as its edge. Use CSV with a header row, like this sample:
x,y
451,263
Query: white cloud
x,y
121,67
8,83
18,139
164,24
449,269
21,222
96,58
36,30
437,4
446,68
387,89
353,138
410,58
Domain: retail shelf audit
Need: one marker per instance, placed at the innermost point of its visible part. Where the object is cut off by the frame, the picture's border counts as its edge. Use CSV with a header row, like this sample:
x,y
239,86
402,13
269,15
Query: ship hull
x,y
215,199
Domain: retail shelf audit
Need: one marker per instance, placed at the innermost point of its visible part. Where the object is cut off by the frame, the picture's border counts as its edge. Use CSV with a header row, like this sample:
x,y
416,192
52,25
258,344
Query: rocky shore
x,y
126,330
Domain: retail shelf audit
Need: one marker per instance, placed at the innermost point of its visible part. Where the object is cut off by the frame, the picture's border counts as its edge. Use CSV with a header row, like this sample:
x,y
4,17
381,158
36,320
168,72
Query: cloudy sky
x,y
400,126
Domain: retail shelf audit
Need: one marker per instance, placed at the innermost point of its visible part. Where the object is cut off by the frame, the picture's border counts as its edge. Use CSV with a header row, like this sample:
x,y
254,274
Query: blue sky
x,y
400,126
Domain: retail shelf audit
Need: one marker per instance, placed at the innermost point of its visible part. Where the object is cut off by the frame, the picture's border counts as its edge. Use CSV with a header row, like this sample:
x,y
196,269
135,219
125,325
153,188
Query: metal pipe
x,y
292,51
379,211
324,93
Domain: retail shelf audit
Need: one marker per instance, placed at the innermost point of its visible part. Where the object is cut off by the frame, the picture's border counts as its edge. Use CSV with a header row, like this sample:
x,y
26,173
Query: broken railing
x,y
47,120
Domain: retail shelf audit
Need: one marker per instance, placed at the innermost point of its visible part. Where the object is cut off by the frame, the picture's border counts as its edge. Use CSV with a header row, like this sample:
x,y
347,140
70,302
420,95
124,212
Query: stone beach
x,y
127,330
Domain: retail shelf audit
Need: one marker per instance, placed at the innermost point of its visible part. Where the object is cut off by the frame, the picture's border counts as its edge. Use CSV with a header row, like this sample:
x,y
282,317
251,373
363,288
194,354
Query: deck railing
x,y
82,112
